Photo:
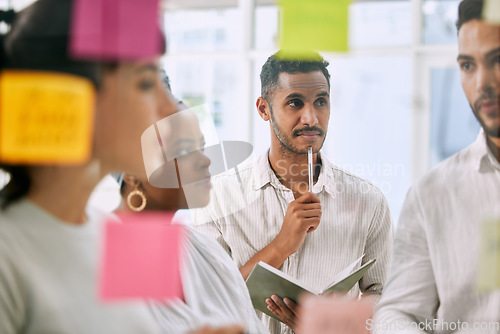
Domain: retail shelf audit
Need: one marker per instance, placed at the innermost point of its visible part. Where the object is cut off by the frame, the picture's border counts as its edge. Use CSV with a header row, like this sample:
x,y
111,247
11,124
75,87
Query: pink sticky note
x,y
141,258
330,315
115,29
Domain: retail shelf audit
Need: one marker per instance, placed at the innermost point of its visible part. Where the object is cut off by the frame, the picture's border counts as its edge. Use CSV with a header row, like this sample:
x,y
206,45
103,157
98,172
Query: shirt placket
x,y
290,264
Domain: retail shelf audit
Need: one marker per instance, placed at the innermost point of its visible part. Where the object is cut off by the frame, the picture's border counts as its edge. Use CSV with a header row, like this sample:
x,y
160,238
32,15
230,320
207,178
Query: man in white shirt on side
x,y
263,210
432,280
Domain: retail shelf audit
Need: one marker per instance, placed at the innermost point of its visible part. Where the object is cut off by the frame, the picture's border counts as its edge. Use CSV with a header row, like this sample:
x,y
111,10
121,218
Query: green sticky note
x,y
320,25
489,270
491,11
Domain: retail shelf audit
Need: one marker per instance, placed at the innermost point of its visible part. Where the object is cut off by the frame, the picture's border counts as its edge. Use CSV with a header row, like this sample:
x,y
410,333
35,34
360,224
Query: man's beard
x,y
490,131
286,141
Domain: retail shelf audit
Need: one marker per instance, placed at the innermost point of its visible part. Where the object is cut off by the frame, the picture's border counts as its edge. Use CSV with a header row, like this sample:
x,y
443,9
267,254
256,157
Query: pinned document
x,y
489,266
491,11
115,29
320,25
141,258
45,117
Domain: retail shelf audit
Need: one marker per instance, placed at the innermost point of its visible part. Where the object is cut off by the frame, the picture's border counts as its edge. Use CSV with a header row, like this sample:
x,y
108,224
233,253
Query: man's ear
x,y
263,109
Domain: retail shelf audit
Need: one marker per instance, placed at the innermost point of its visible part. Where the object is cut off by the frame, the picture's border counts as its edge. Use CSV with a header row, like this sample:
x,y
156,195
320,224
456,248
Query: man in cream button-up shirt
x,y
263,210
432,281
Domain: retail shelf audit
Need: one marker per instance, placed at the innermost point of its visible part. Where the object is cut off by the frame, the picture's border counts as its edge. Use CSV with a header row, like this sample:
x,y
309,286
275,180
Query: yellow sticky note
x,y
491,11
320,25
489,266
45,117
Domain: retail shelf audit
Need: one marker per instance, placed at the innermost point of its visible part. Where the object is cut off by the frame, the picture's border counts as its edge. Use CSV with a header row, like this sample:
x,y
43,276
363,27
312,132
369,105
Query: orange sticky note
x,y
333,315
320,25
45,117
141,258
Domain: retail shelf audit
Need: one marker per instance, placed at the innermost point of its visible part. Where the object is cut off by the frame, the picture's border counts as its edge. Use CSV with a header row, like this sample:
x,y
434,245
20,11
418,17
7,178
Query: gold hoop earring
x,y
139,193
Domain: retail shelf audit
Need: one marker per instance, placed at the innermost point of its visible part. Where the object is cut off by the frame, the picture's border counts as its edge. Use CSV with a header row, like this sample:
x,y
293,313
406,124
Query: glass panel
x,y
453,125
370,122
214,83
202,30
266,27
369,130
16,4
4,178
380,23
439,18
106,195
261,139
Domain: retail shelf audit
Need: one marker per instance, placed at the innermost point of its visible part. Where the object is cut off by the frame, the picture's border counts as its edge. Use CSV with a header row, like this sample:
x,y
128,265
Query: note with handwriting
x,y
115,29
320,25
45,117
141,258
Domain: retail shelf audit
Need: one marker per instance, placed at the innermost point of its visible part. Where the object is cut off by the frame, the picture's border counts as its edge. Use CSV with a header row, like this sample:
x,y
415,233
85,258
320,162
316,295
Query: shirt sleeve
x,y
378,246
410,298
12,303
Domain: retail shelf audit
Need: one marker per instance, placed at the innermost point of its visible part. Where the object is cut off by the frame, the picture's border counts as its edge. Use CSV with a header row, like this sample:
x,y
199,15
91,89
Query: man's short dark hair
x,y
469,10
277,64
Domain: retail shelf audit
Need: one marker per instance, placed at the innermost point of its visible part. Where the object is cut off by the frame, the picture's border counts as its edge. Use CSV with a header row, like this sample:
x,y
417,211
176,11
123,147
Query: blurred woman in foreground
x,y
214,291
49,240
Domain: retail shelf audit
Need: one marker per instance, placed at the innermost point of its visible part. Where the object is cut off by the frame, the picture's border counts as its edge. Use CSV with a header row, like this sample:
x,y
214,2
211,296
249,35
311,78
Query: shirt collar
x,y
265,175
483,157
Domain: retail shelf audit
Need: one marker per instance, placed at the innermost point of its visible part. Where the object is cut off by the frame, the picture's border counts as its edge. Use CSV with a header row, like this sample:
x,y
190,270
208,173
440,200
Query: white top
x,y
248,207
435,259
214,291
48,278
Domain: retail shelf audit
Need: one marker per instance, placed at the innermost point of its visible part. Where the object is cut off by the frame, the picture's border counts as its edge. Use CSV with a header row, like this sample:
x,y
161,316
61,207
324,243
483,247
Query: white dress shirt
x,y
432,278
247,209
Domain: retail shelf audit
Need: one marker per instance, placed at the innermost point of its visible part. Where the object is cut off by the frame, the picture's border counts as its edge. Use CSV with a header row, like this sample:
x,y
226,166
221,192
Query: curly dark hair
x,y
277,64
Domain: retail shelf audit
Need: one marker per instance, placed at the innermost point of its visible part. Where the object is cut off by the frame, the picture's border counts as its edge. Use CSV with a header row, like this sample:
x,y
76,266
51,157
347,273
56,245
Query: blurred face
x,y
479,61
183,141
130,99
299,111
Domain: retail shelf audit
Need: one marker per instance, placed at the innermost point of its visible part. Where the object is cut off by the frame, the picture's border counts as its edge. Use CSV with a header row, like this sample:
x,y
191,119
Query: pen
x,y
310,167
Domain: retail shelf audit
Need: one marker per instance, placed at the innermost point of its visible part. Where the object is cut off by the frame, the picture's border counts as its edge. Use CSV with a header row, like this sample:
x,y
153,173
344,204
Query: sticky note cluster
x,y
45,117
320,25
141,258
115,29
